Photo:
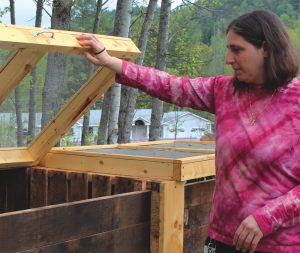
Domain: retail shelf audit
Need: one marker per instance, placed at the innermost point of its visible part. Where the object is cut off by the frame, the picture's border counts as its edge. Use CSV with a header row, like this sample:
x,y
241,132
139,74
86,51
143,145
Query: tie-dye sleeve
x,y
196,93
280,212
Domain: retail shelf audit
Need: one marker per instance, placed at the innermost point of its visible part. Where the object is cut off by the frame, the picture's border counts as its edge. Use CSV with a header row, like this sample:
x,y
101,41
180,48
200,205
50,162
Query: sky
x,y
25,12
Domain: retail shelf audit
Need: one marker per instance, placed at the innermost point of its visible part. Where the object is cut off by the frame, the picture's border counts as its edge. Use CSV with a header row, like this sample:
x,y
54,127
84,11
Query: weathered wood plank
x,y
36,228
17,189
51,40
134,239
57,187
123,185
84,98
16,68
199,234
38,187
101,186
78,188
199,193
198,198
3,191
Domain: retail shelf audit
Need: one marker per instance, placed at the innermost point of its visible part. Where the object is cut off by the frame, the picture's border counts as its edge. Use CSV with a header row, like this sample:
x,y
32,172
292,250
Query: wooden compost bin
x,y
132,198
113,198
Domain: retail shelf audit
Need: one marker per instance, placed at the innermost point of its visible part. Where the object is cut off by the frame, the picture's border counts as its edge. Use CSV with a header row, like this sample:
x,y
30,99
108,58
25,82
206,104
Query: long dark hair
x,y
263,28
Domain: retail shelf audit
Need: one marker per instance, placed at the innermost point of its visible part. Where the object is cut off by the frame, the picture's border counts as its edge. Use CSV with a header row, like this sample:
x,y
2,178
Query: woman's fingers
x,y
240,236
93,47
91,41
254,244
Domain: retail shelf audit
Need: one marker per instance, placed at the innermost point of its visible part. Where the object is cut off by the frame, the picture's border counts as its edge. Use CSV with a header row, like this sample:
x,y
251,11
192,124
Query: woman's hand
x,y
96,53
247,235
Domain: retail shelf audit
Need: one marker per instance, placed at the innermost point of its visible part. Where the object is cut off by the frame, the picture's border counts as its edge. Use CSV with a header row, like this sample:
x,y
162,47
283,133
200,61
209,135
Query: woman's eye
x,y
236,50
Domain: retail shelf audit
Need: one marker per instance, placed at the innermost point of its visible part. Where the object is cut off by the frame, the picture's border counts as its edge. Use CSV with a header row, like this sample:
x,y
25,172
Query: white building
x,y
181,124
175,125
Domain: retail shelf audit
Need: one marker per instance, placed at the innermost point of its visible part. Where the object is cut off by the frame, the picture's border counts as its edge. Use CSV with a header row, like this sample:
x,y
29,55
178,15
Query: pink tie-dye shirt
x,y
257,165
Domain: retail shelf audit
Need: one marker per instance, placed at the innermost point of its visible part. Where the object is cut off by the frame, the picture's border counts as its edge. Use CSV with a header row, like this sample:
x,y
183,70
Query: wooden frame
x,y
153,164
30,44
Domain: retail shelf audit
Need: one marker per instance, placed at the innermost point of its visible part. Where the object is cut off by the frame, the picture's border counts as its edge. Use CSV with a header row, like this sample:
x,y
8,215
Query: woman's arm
x,y
195,93
281,212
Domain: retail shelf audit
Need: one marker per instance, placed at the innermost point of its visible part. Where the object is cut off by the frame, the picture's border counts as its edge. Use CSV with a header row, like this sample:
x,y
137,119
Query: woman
x,y
256,204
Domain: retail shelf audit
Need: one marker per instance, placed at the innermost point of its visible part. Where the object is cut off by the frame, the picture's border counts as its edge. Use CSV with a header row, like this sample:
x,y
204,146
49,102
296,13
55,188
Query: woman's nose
x,y
229,58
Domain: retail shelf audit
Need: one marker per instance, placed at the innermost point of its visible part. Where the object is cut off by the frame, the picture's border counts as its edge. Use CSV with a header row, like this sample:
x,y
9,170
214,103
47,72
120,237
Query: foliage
x,y
8,131
3,12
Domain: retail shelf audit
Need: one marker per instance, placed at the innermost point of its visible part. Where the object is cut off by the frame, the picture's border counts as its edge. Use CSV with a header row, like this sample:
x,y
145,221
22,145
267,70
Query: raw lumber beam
x,y
15,157
167,211
16,68
131,165
193,167
119,165
84,98
45,226
50,40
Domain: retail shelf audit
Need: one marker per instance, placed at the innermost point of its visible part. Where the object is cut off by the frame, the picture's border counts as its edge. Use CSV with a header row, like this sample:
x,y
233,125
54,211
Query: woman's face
x,y
246,60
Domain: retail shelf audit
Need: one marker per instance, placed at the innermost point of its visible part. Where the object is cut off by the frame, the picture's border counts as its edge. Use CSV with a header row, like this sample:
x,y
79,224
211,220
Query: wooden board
x,y
38,187
17,189
158,167
58,226
15,157
101,186
16,67
51,40
105,164
167,212
78,185
13,190
198,199
133,239
57,187
71,112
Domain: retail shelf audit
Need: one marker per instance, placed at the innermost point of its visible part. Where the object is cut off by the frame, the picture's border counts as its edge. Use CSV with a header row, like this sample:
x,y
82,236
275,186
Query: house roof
x,y
145,116
172,116
95,115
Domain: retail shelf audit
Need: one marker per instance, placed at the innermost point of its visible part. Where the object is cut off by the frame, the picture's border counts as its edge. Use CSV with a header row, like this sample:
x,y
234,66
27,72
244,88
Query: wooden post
x,y
167,213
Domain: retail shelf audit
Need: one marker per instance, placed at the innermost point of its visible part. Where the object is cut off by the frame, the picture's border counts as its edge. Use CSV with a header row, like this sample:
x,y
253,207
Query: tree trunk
x,y
56,65
102,131
86,118
128,94
33,81
161,55
18,102
121,28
